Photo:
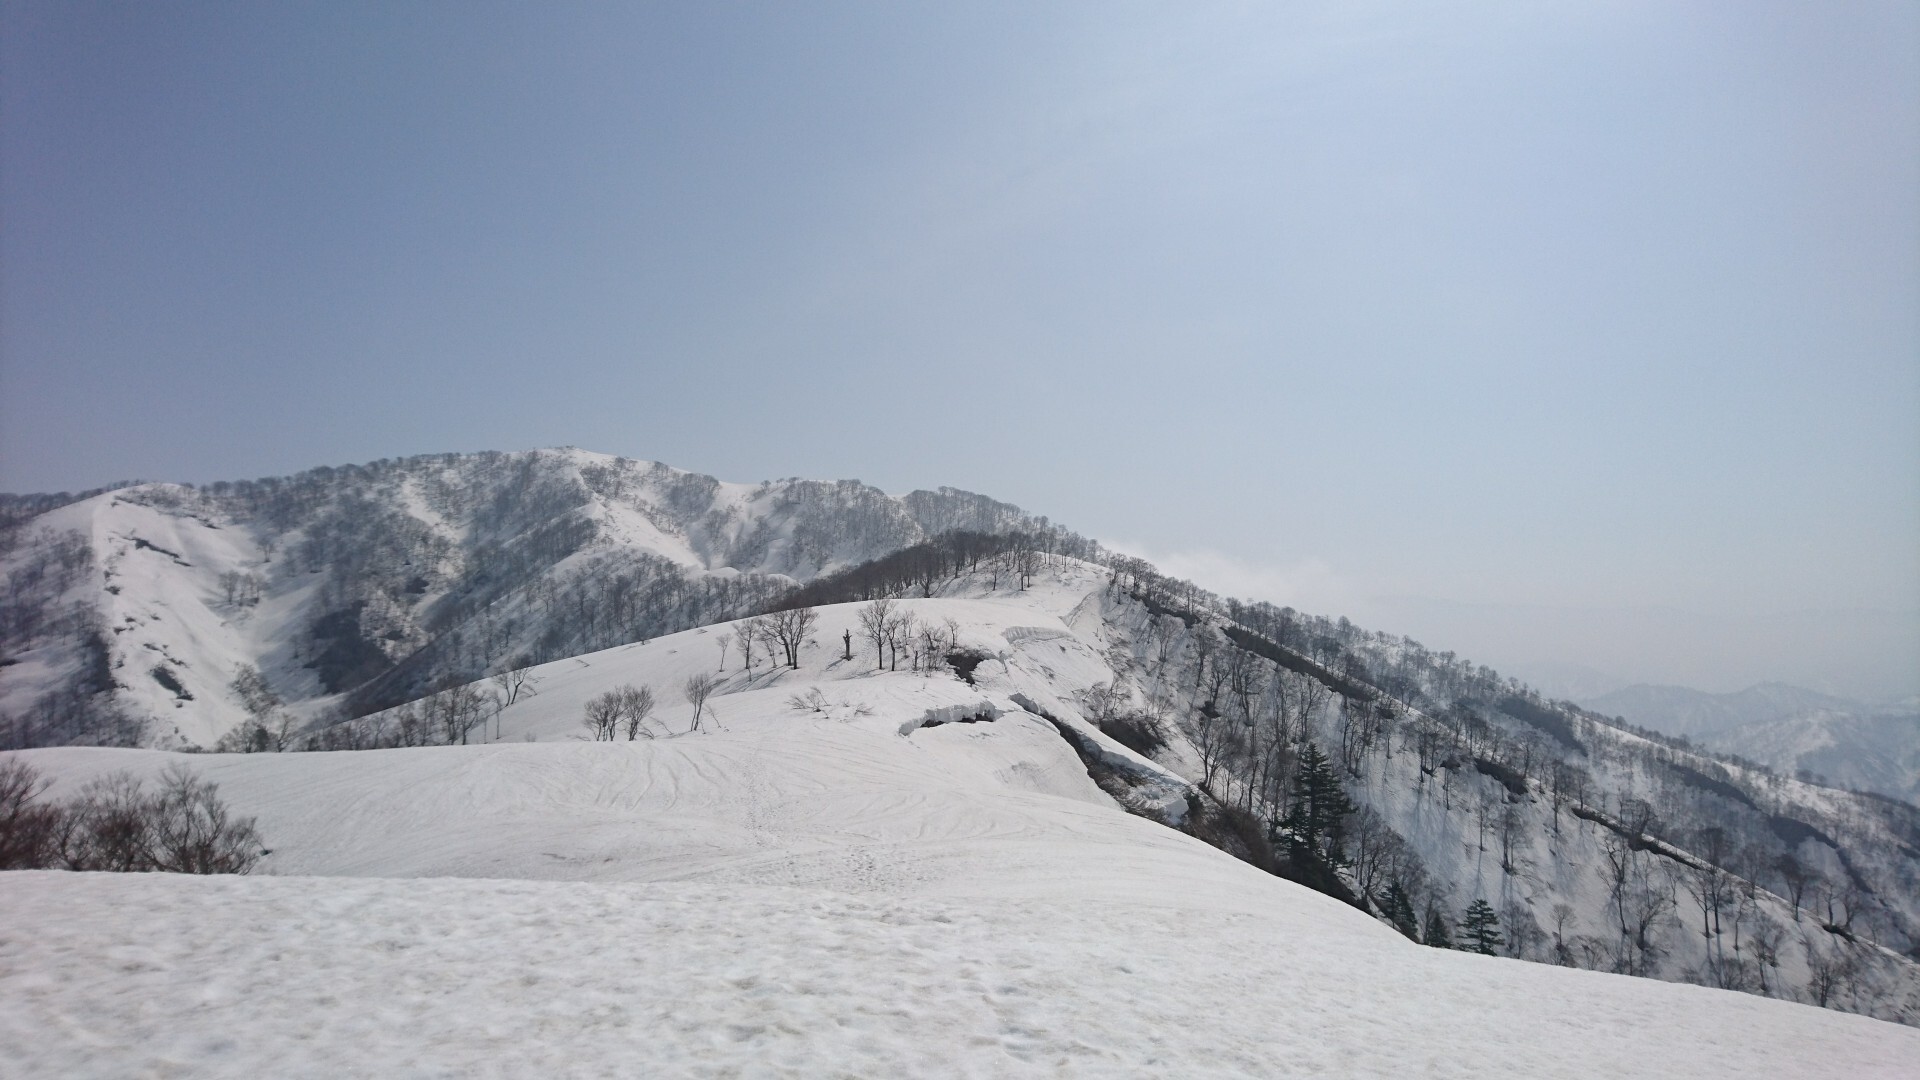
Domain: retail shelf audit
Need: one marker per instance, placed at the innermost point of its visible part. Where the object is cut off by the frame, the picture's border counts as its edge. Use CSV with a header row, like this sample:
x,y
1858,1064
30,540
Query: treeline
x,y
17,510
1011,558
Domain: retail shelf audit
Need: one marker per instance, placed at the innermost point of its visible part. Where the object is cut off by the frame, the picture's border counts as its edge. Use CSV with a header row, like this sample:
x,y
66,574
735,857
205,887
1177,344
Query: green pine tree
x,y
1437,935
1315,826
1398,908
1480,930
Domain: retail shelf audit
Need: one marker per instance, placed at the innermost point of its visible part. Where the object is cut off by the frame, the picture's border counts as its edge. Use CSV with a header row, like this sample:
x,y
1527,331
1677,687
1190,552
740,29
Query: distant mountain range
x,y
1790,728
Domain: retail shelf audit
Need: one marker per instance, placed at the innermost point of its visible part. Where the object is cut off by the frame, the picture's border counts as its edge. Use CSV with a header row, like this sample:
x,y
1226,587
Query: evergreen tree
x,y
1398,907
1480,930
1437,935
1315,826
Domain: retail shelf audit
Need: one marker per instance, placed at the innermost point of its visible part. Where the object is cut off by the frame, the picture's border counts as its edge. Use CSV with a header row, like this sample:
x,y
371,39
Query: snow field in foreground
x,y
164,975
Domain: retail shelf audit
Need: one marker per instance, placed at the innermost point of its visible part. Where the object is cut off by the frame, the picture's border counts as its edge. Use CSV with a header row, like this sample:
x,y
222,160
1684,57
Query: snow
x,y
158,975
852,885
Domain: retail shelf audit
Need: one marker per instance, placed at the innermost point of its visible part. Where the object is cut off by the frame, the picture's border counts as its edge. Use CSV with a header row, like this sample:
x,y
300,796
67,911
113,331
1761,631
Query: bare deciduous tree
x,y
698,689
746,632
516,684
27,827
603,714
636,705
876,622
1797,877
457,710
790,630
183,828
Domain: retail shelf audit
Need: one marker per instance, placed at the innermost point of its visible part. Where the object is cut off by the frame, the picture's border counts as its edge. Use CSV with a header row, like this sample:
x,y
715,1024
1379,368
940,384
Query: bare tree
x,y
636,704
698,689
724,642
1797,877
1513,835
790,630
28,828
1707,881
603,715
1765,944
193,833
1207,731
1373,846
900,633
1649,904
1523,930
876,622
746,632
459,709
1025,558
1829,974
1562,952
183,828
516,684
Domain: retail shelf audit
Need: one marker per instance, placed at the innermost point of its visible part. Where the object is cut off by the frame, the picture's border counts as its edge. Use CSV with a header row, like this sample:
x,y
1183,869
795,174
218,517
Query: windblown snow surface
x,y
853,884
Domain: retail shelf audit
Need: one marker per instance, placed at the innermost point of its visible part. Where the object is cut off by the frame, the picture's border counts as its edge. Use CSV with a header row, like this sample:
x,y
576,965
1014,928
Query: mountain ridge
x,y
432,573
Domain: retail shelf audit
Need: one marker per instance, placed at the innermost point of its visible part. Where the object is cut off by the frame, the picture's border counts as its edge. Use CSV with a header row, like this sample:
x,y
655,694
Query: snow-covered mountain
x,y
842,868
130,613
1048,672
1789,728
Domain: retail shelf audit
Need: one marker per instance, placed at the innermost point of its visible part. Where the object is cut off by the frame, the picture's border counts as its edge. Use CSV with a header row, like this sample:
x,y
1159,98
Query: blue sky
x,y
1530,314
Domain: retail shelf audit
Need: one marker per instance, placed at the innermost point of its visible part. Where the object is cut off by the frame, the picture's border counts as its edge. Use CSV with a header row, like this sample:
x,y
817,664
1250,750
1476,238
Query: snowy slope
x,y
320,977
761,795
375,582
903,874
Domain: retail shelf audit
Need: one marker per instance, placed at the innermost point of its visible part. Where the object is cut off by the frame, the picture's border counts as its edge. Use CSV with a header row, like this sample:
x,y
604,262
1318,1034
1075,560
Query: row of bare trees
x,y
116,823
624,706
629,708
893,630
1013,558
780,634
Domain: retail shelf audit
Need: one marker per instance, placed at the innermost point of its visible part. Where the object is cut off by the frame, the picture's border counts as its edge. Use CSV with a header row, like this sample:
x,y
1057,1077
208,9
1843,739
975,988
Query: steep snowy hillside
x,y
129,614
1789,728
837,870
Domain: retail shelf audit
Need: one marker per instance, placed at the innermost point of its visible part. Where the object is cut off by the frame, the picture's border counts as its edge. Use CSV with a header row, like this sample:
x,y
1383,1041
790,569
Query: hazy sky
x,y
1552,333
